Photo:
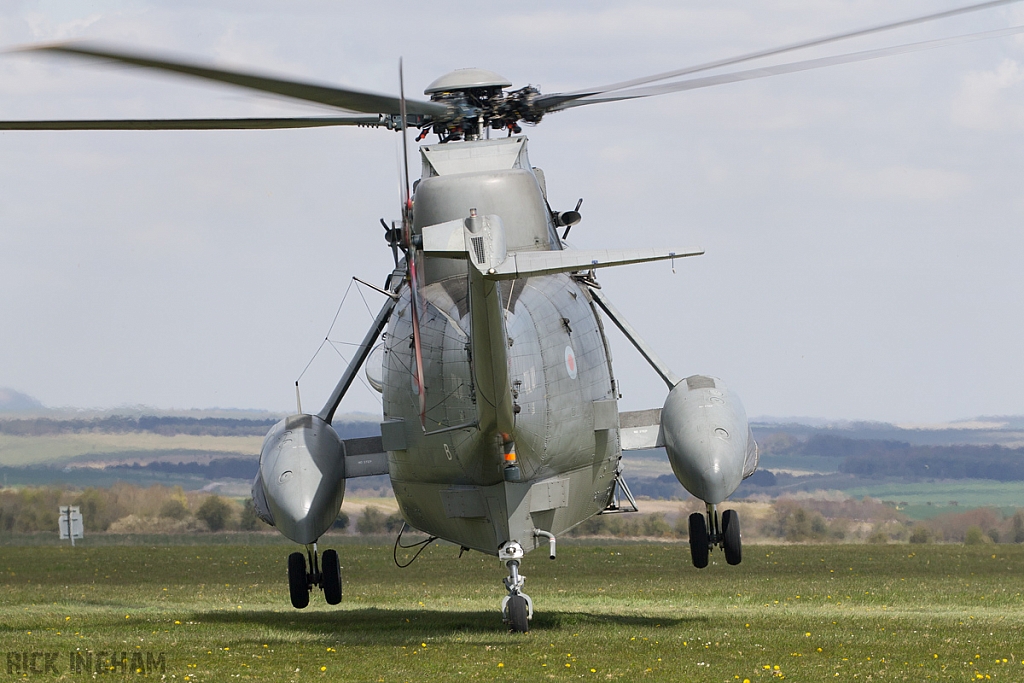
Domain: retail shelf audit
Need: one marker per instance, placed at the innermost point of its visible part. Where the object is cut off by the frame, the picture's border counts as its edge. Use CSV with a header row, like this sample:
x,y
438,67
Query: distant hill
x,y
12,401
899,459
165,426
981,431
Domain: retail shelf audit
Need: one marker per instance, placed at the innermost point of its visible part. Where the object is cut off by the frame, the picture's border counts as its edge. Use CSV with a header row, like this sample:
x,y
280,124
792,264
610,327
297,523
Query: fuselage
x,y
515,435
557,359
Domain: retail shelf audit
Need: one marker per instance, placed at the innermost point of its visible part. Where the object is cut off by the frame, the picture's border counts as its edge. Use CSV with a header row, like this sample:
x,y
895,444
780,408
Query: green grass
x,y
604,612
968,494
37,450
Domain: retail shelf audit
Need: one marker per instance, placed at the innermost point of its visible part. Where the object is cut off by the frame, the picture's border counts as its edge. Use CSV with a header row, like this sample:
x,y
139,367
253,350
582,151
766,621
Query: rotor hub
x,y
478,100
466,80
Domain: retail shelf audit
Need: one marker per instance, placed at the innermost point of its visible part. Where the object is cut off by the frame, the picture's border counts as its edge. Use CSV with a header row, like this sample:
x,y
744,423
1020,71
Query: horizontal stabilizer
x,y
641,430
524,263
481,240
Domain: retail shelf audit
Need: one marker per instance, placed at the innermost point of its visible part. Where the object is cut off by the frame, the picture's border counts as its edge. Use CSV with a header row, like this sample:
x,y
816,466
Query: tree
x,y
341,523
247,519
878,536
215,511
1018,527
921,534
98,510
975,536
174,508
394,523
372,521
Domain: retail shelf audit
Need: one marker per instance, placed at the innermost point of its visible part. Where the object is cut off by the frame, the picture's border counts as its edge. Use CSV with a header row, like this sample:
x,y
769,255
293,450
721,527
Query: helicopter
x,y
500,427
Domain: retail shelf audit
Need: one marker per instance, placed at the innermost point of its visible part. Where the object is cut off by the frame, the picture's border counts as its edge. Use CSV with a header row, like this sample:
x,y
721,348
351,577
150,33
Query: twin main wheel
x,y
300,582
700,541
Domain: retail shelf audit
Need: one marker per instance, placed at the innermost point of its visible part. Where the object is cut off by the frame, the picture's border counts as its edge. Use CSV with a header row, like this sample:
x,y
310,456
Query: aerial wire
x,y
326,337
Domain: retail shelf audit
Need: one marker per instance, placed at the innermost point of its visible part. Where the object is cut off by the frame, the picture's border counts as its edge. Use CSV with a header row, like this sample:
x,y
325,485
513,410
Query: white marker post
x,y
70,522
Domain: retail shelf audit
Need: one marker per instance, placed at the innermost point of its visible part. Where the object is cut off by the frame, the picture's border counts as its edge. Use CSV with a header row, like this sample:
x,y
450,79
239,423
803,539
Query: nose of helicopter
x,y
303,471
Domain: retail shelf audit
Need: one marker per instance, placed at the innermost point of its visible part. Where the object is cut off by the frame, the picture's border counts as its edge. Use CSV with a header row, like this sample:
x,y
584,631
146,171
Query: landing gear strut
x,y
706,533
324,572
516,607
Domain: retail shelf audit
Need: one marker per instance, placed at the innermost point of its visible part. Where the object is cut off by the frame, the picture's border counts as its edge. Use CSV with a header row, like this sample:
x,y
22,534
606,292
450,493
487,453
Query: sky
x,y
863,223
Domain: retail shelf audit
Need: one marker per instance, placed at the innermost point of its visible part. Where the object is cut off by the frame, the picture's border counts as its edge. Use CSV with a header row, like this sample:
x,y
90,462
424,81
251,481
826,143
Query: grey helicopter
x,y
500,428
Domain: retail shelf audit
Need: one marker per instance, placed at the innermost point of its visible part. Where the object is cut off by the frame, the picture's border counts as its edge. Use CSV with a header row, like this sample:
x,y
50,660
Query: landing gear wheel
x,y
698,540
330,581
731,537
298,582
518,614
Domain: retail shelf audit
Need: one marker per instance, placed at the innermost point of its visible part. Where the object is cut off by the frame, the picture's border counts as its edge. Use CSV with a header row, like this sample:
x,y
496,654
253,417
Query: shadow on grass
x,y
397,627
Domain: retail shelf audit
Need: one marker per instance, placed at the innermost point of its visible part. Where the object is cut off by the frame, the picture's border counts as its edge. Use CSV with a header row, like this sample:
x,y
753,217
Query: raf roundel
x,y
570,362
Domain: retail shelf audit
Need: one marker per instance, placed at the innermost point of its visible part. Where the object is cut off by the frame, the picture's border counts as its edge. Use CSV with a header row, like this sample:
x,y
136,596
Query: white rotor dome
x,y
467,79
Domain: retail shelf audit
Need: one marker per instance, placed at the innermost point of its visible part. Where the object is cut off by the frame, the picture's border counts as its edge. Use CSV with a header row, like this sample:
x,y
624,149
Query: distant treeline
x,y
667,487
218,468
873,458
166,426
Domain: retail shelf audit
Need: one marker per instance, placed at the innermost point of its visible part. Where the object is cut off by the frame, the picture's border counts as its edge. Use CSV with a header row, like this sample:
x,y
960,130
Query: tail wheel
x,y
731,537
298,583
330,566
698,540
518,614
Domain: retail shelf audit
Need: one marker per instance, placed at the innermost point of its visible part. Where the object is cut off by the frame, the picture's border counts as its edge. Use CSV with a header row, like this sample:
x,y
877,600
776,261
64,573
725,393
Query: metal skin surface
x,y
302,471
553,433
490,346
707,437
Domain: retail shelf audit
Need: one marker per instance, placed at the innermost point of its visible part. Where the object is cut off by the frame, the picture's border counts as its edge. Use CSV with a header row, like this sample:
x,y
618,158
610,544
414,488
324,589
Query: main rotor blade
x,y
195,124
552,102
792,67
342,98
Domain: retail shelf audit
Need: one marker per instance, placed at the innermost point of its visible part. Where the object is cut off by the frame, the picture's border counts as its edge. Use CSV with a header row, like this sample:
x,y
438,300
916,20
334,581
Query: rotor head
x,y
467,80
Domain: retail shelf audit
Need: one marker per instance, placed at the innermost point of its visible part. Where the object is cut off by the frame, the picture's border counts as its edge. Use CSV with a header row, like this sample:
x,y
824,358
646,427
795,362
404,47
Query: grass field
x,y
946,496
37,450
604,612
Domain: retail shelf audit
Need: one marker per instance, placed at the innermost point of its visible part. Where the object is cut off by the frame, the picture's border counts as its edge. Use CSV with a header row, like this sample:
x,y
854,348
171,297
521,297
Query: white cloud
x,y
991,100
42,27
904,182
907,182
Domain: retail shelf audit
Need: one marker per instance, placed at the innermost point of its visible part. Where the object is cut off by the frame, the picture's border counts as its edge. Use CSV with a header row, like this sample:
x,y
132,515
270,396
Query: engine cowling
x,y
707,437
